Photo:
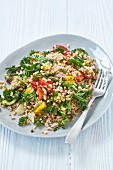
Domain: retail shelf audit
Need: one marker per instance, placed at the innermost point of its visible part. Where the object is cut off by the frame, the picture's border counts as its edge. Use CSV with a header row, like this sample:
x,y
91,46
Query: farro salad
x,y
50,87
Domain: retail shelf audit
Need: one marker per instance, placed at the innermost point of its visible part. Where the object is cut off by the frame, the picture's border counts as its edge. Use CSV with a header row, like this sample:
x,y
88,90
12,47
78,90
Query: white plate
x,y
94,50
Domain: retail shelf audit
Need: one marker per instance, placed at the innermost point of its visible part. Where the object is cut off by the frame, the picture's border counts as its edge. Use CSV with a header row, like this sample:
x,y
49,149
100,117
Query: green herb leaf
x,y
12,70
77,61
8,97
25,60
51,109
22,121
82,102
55,95
39,122
58,49
82,50
32,52
31,68
42,59
64,116
87,93
61,124
26,97
46,53
6,94
68,106
24,86
73,51
1,99
81,97
68,86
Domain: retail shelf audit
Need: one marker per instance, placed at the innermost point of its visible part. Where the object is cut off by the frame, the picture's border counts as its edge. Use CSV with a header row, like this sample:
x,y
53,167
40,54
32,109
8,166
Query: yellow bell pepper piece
x,y
47,66
40,107
69,79
28,90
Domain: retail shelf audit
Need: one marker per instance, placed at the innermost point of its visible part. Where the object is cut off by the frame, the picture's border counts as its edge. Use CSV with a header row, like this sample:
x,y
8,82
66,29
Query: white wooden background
x,y
22,21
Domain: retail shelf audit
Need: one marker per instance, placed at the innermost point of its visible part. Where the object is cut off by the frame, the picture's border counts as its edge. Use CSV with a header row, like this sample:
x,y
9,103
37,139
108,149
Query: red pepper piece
x,y
34,83
80,78
61,46
89,76
40,93
42,82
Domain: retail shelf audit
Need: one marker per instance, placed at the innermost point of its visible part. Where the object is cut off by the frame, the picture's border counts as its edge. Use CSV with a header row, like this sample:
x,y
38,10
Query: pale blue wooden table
x,y
22,21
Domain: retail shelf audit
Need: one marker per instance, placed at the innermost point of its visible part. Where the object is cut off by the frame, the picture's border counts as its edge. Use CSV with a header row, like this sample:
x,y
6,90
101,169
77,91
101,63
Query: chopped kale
x,y
82,50
84,94
13,70
24,85
68,106
26,97
42,59
77,61
51,109
68,86
31,68
23,121
8,97
32,52
81,96
61,124
55,95
39,121
82,102
64,116
73,51
25,60
46,53
58,49
1,99
87,93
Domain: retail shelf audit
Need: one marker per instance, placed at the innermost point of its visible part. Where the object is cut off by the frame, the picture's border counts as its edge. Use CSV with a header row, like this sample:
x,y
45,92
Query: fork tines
x,y
102,79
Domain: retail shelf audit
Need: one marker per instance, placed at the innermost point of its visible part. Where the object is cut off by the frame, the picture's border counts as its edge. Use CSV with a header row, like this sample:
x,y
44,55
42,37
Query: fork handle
x,y
75,130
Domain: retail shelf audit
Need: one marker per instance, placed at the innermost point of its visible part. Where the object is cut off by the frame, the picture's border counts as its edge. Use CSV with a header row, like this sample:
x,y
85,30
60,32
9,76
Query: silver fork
x,y
99,90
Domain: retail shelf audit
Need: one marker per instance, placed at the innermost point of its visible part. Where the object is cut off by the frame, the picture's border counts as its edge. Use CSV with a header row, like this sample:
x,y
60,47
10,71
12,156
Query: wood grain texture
x,y
22,21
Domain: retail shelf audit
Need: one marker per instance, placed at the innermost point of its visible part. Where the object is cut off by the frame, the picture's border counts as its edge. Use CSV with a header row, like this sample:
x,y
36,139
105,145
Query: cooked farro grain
x,y
12,118
44,132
